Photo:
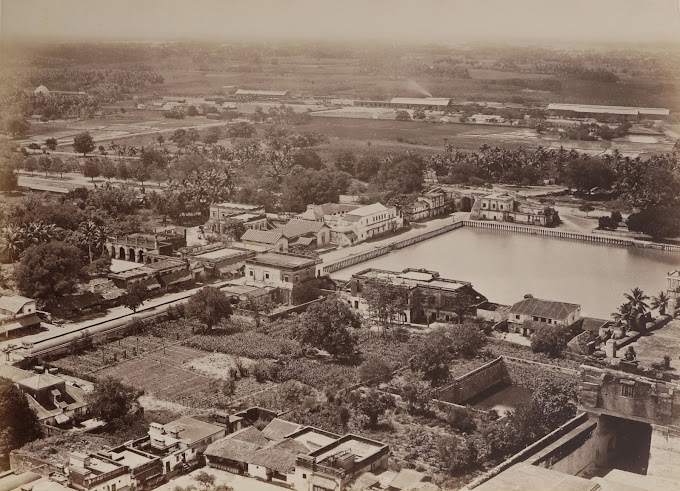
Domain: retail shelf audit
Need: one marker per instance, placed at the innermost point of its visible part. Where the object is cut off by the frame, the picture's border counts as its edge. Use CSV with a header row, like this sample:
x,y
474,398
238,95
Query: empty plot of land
x,y
161,373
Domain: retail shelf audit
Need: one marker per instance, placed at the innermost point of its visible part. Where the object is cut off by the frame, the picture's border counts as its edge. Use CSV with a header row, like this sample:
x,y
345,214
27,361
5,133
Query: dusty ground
x,y
217,365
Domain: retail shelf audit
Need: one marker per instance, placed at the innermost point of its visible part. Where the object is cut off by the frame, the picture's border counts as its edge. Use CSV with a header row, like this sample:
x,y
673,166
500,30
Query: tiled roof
x,y
250,434
277,429
305,241
297,227
232,449
14,303
262,236
13,373
543,308
279,456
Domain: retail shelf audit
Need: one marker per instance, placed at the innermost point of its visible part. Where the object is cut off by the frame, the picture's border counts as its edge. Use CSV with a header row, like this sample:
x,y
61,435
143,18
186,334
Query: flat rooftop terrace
x,y
222,254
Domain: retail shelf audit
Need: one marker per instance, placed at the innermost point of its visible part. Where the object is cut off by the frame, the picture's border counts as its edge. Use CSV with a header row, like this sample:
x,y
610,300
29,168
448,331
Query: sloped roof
x,y
296,227
279,456
13,373
277,429
367,210
20,322
544,308
406,478
262,236
592,324
250,434
232,449
14,303
305,241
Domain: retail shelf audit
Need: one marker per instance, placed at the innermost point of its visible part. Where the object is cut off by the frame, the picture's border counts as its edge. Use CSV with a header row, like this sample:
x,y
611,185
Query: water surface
x,y
504,266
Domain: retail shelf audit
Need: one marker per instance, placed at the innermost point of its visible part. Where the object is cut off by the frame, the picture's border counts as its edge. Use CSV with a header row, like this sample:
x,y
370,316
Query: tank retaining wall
x,y
530,374
473,383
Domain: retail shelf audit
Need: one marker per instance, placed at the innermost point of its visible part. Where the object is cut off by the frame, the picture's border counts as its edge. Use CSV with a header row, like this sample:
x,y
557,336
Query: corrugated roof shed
x,y
599,109
262,236
544,308
261,92
425,101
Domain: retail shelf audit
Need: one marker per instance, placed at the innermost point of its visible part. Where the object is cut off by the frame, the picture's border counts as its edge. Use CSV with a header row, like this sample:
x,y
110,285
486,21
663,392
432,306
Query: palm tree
x,y
626,313
91,232
636,298
660,302
12,241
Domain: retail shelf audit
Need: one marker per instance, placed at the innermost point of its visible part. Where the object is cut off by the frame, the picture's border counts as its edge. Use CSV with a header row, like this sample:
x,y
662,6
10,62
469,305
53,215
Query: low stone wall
x,y
22,462
475,382
529,451
531,374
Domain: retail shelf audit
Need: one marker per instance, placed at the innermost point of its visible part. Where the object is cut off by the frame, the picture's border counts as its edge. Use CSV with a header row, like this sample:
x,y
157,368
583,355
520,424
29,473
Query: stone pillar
x,y
610,348
664,453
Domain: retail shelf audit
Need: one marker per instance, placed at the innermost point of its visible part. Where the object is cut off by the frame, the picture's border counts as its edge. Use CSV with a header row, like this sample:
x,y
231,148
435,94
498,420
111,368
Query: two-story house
x,y
253,217
364,223
282,271
531,314
433,203
307,233
426,296
18,315
93,473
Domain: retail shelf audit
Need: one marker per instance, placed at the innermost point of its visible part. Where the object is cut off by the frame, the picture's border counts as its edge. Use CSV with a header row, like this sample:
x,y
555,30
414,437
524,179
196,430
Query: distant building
x,y
588,110
433,203
261,94
426,103
326,211
486,118
42,91
252,216
162,274
364,223
306,233
532,314
136,247
430,298
18,315
507,207
217,259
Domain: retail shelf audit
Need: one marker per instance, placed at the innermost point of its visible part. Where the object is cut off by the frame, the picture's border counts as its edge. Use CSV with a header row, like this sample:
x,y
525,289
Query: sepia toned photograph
x,y
339,245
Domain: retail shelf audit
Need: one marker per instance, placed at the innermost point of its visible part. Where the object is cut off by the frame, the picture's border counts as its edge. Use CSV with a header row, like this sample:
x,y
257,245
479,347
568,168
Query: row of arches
x,y
126,253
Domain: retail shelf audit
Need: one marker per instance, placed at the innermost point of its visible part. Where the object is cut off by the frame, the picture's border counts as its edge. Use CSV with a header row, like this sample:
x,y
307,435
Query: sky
x,y
387,20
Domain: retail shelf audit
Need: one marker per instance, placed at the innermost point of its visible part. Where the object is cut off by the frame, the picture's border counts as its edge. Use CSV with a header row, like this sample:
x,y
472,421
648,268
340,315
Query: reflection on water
x,y
505,399
505,266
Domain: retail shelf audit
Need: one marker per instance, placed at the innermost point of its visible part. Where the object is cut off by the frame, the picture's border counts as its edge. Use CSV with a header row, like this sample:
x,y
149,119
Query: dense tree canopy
x,y
327,325
111,400
209,305
19,422
49,271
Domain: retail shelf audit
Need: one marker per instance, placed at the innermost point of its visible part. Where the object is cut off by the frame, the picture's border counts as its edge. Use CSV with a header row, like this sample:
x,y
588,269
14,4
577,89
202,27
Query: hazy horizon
x,y
550,21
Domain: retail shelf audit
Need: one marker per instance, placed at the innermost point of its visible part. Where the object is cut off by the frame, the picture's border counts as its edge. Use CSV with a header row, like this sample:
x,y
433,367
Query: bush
x,y
550,340
461,420
265,371
375,370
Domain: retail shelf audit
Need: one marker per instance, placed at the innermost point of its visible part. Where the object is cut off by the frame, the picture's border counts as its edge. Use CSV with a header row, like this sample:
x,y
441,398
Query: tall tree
x,y
83,143
209,305
49,271
111,400
326,325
